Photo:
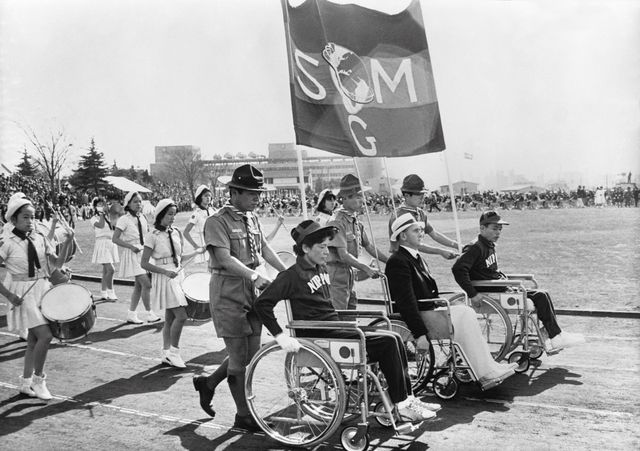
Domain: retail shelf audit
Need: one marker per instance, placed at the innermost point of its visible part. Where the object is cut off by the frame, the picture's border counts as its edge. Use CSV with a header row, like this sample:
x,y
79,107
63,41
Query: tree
x,y
186,166
51,153
25,167
91,170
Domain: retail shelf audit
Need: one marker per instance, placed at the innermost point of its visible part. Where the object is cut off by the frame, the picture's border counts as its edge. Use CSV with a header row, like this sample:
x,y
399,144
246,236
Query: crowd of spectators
x,y
76,204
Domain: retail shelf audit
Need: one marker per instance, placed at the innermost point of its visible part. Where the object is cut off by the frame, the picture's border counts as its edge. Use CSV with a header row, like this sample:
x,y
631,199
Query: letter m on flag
x,y
361,80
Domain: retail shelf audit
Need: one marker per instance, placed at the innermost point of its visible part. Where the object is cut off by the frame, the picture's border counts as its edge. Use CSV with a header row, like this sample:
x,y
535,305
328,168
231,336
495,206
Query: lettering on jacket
x,y
317,281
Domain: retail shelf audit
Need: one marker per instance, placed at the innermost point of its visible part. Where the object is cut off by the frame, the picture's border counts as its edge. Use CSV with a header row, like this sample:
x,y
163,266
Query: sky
x,y
539,88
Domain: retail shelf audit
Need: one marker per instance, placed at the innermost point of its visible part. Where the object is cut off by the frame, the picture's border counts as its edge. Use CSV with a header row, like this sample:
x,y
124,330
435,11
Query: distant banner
x,y
361,80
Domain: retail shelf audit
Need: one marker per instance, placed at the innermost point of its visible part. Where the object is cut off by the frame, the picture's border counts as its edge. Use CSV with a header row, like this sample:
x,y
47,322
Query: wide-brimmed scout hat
x,y
491,217
248,178
413,184
15,204
350,184
162,205
201,189
308,227
401,224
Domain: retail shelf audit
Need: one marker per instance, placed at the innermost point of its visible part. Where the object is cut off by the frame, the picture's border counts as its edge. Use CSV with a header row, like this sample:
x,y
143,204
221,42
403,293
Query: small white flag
x,y
468,156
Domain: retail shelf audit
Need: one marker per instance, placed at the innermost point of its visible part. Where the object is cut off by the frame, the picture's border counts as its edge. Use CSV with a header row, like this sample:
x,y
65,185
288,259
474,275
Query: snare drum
x,y
70,310
196,289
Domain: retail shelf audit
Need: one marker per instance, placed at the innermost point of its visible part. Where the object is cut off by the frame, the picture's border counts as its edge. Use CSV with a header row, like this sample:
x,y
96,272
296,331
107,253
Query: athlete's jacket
x,y
477,262
307,288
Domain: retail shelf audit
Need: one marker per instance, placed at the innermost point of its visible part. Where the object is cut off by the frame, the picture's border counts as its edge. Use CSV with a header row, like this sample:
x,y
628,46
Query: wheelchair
x,y
301,399
444,366
518,341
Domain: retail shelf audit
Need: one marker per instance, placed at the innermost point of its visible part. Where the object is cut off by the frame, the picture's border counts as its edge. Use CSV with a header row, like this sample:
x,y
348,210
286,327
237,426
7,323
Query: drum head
x,y
196,286
65,302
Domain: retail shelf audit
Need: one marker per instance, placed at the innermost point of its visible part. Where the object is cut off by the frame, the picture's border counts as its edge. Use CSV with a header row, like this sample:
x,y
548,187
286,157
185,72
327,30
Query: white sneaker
x,y
39,387
132,317
24,386
103,295
164,356
175,359
433,407
412,411
152,317
111,295
567,339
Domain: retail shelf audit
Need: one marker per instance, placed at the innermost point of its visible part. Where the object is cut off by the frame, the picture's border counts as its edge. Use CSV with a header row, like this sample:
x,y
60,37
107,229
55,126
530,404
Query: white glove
x,y
287,343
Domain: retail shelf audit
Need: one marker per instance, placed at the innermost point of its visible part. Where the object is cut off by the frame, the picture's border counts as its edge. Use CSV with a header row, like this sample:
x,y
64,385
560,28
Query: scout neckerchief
x,y
32,256
253,247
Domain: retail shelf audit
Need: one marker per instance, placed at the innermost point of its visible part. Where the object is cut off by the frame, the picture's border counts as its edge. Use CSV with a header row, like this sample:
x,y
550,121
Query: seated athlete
x,y
479,262
410,282
306,285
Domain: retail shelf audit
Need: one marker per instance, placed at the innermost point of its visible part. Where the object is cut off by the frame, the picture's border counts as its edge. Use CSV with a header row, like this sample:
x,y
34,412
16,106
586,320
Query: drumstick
x,y
25,293
66,225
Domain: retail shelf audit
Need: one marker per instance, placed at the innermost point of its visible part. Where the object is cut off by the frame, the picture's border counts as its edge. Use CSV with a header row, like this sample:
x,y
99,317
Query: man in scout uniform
x,y
237,248
413,191
347,245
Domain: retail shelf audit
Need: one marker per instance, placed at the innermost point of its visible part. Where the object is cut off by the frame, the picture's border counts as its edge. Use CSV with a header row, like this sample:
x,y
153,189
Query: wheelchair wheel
x,y
346,439
420,364
445,385
521,359
535,350
296,398
463,375
381,415
495,325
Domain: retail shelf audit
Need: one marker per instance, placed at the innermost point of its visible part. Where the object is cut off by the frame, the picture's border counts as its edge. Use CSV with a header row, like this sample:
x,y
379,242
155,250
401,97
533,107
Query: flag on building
x,y
361,80
468,156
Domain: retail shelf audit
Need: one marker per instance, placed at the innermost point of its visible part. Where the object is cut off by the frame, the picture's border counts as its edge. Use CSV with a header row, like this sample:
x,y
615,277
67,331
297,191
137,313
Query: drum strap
x,y
32,256
173,248
140,230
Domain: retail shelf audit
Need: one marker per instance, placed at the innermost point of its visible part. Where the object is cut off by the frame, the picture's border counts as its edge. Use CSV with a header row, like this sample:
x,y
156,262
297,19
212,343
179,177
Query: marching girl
x,y
105,253
164,245
129,235
28,256
325,206
196,222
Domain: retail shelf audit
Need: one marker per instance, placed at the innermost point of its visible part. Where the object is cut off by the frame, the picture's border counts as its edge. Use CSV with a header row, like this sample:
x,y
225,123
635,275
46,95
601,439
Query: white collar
x,y
413,252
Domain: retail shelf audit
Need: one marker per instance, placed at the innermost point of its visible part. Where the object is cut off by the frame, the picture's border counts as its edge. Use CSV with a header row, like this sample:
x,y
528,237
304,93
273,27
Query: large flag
x,y
361,80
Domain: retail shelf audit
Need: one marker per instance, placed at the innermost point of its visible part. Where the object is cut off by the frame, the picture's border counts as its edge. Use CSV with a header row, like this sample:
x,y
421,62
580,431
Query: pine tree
x,y
91,171
25,167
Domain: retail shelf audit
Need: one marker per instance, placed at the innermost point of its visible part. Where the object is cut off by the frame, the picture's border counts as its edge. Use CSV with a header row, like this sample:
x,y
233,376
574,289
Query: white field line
x,y
198,365
607,413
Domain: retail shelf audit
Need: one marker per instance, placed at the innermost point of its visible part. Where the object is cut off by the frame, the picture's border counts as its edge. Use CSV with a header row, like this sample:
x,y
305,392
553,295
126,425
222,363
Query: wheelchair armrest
x,y
500,283
326,325
361,313
520,276
436,302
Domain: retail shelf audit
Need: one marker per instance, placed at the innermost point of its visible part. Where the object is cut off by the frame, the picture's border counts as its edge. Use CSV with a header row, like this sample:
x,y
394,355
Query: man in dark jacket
x,y
479,262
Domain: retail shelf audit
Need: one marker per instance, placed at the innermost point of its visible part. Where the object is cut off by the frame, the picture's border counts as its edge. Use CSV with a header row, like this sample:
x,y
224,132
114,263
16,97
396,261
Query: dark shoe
x,y
206,394
246,423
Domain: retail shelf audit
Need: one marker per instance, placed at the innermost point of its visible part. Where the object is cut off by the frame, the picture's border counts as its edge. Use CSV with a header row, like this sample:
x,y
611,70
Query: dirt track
x,y
111,393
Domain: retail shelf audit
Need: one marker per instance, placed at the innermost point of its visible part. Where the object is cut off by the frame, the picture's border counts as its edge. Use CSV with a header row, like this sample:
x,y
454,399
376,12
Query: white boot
x,y
103,295
24,386
39,386
132,317
111,295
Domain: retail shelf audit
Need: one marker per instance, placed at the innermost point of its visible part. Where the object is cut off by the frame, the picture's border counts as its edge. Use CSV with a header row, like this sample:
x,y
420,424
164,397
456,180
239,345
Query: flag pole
x,y
393,204
366,211
454,209
303,194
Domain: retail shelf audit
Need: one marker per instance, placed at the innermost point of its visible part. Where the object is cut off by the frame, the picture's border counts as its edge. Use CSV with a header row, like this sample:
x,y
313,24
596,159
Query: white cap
x,y
164,203
129,196
201,189
14,205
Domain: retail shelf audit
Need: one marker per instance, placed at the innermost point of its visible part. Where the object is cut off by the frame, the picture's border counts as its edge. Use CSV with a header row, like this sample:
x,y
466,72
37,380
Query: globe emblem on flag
x,y
352,75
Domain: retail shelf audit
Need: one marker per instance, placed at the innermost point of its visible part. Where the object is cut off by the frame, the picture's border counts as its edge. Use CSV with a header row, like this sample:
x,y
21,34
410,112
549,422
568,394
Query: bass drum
x,y
70,310
196,289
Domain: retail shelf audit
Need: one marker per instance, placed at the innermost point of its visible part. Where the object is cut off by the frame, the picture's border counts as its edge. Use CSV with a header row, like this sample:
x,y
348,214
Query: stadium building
x,y
280,167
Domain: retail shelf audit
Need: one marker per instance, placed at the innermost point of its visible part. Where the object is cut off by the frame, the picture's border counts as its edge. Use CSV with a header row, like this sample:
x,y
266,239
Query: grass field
x,y
587,258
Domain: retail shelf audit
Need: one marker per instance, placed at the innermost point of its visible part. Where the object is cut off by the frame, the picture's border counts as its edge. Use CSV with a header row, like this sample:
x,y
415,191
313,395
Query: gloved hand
x,y
287,343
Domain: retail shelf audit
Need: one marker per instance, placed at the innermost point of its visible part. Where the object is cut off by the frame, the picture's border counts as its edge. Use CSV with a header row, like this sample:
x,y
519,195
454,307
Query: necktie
x,y
140,230
422,264
32,256
173,249
251,239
